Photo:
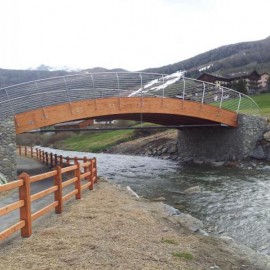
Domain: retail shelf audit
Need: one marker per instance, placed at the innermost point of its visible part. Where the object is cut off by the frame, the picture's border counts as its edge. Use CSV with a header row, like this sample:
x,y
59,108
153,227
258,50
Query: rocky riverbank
x,y
111,229
164,145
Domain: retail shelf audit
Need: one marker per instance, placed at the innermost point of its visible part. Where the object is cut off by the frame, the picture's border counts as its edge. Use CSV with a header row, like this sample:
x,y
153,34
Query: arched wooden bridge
x,y
157,98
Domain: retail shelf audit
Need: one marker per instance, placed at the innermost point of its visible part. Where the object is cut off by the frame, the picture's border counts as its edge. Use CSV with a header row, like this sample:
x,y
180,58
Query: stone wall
x,y
222,143
8,149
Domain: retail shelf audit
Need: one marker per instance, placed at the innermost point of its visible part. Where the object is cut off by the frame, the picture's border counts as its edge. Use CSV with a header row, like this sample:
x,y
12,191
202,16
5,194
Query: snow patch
x,y
160,83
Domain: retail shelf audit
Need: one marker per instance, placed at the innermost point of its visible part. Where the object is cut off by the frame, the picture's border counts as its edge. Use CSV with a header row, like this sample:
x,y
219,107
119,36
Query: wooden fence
x,y
83,176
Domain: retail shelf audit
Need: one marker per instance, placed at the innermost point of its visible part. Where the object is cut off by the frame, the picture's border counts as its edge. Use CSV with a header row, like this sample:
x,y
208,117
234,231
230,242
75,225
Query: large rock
x,y
3,179
266,136
258,152
192,190
189,222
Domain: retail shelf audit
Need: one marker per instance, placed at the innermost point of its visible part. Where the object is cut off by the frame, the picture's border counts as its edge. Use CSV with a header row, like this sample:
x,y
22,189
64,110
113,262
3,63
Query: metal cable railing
x,y
46,92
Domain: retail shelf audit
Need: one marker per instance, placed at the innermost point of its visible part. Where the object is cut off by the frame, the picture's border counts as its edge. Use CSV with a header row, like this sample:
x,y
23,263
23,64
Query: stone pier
x,y
222,143
8,149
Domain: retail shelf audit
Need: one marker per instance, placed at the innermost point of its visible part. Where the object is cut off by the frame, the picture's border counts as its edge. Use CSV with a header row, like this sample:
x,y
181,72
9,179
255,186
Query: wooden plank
x,y
14,228
84,175
44,210
68,169
70,181
43,193
11,185
88,184
42,176
69,195
11,207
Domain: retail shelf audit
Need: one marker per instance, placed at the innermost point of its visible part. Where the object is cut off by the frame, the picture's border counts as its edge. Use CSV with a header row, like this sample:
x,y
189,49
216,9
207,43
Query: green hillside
x,y
244,56
263,101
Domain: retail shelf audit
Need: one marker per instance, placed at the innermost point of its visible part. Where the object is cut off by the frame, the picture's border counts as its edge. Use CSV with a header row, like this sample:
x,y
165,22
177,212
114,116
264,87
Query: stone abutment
x,y
222,144
8,149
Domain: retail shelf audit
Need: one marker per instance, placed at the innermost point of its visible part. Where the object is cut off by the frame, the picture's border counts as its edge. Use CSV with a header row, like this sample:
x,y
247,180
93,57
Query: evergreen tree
x,y
240,86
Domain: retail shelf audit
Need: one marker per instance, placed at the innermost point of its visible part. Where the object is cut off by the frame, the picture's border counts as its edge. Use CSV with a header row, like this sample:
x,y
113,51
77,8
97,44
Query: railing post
x,y
47,158
95,167
91,170
20,150
221,99
85,168
31,149
239,103
43,156
68,160
203,95
25,150
55,160
78,175
58,193
61,160
51,160
37,154
25,210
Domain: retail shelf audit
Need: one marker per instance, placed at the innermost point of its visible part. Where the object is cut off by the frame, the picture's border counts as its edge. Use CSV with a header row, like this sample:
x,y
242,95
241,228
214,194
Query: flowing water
x,y
234,202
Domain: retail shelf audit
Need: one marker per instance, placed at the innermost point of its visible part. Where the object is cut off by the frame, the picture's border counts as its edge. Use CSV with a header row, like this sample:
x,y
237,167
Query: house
x,y
215,79
263,80
252,80
75,124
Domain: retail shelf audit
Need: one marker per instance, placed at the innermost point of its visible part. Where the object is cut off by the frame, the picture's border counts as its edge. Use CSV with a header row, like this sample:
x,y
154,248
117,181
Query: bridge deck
x,y
164,111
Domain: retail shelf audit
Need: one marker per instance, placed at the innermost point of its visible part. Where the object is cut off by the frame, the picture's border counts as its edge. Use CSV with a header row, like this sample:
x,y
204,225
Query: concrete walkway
x,y
30,166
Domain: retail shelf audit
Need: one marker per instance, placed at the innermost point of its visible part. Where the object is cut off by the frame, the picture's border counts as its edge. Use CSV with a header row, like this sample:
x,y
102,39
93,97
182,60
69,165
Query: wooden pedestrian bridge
x,y
169,100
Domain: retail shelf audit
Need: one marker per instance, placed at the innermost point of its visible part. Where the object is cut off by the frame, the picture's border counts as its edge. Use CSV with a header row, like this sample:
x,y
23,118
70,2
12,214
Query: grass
x,y
98,141
183,255
263,101
95,142
169,241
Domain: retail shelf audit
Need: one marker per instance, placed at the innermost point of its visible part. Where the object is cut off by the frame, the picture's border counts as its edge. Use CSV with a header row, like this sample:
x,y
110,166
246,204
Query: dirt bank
x,y
161,144
109,229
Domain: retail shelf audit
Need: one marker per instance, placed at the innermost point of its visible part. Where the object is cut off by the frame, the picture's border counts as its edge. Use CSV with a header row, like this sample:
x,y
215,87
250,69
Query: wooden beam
x,y
178,108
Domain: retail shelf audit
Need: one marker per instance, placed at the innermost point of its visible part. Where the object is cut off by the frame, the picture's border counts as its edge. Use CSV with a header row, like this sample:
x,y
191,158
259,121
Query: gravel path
x,y
110,229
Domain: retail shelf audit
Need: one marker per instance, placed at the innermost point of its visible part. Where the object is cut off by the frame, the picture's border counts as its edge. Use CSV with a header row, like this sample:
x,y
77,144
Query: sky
x,y
129,34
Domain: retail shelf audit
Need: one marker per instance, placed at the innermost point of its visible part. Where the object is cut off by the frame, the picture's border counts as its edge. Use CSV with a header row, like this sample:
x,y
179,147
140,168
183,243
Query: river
x,y
234,202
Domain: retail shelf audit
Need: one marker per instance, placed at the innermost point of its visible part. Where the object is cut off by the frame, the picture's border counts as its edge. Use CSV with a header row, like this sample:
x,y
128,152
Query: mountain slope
x,y
244,56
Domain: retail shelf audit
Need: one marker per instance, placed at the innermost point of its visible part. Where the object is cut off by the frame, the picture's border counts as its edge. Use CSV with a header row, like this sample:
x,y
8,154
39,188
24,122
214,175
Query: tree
x,y
240,86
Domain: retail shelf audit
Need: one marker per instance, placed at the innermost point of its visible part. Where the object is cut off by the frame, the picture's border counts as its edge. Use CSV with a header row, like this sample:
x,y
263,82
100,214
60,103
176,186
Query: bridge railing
x,y
46,92
82,175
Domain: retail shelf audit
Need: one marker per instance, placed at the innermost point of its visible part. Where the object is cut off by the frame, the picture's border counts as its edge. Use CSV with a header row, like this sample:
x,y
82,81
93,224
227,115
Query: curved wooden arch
x,y
165,111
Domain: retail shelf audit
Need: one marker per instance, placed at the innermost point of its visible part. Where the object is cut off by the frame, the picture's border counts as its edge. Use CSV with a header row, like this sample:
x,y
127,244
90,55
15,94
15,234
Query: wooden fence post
x,y
68,160
91,170
25,211
95,166
25,150
37,154
78,175
51,160
20,150
47,158
55,160
58,193
85,168
31,149
61,160
43,156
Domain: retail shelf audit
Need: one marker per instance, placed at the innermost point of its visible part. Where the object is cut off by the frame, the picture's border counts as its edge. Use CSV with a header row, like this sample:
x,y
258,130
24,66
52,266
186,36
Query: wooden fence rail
x,y
84,175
